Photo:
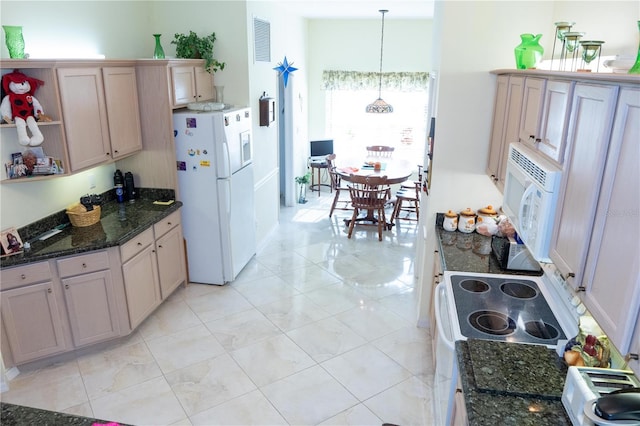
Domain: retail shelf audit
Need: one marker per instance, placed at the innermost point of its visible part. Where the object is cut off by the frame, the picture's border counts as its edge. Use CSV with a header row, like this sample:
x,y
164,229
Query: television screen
x,y
321,148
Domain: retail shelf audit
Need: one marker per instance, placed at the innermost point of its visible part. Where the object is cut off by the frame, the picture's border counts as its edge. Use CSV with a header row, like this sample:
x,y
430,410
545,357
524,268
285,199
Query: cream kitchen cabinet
x,y
611,280
141,280
172,268
100,106
587,143
532,102
505,127
633,355
191,84
31,313
89,294
555,119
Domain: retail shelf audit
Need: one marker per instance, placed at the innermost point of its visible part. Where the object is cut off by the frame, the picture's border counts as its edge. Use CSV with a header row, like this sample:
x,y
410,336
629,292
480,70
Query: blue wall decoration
x,y
285,68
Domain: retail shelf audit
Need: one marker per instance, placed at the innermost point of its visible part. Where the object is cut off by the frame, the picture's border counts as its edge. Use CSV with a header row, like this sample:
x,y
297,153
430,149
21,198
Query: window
x,y
348,93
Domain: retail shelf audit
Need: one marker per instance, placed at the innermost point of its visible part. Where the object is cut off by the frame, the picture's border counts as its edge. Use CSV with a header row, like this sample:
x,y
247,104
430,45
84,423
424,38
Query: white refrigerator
x,y
215,181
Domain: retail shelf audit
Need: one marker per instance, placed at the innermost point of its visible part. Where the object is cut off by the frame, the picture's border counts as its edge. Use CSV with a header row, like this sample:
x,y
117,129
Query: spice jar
x,y
486,213
467,222
450,222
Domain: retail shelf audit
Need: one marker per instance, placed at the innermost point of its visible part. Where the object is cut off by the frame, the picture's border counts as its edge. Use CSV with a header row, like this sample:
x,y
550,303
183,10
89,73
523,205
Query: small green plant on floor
x,y
303,181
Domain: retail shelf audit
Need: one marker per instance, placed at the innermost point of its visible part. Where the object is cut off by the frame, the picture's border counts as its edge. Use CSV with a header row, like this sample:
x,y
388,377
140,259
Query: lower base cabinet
x,y
171,264
32,321
141,284
91,306
52,307
459,417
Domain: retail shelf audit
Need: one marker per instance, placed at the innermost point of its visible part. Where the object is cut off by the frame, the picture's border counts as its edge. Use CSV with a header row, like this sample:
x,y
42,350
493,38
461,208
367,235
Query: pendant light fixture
x,y
379,106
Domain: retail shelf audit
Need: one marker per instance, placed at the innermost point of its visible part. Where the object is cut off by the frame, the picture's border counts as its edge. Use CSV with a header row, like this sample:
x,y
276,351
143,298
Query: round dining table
x,y
396,171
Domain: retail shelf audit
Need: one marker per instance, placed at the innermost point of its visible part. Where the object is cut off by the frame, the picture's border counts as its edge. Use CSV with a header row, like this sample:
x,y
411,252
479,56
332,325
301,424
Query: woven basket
x,y
79,216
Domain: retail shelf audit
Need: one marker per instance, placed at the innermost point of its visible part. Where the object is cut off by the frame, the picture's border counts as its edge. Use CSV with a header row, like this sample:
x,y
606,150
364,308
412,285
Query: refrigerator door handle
x,y
227,195
227,156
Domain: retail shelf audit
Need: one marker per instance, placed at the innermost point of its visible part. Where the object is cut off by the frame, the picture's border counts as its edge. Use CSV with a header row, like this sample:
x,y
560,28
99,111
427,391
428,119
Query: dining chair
x,y
341,199
381,151
369,193
407,200
411,183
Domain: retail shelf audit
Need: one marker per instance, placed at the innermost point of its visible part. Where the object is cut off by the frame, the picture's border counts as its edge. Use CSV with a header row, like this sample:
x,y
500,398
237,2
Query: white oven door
x,y
446,371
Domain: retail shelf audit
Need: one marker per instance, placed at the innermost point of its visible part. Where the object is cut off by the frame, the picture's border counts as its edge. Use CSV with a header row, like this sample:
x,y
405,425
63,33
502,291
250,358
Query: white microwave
x,y
531,191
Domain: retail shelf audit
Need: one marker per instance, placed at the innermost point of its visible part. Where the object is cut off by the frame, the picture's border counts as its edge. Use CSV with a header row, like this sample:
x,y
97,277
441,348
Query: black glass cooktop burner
x,y
504,308
518,290
475,286
491,322
541,330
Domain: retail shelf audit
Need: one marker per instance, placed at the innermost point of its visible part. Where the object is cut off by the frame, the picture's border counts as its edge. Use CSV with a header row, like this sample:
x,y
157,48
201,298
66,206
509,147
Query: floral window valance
x,y
356,80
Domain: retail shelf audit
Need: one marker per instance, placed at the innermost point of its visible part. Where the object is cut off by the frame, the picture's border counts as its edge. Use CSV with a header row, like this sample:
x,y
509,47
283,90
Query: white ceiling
x,y
360,9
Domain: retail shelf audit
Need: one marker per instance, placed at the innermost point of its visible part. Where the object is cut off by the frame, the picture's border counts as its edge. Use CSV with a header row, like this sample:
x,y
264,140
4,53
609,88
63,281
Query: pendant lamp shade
x,y
379,106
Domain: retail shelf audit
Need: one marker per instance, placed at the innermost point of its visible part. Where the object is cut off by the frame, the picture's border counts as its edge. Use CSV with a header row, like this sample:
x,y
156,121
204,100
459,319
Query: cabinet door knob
x,y
49,290
139,243
23,276
66,286
160,246
84,265
169,223
628,357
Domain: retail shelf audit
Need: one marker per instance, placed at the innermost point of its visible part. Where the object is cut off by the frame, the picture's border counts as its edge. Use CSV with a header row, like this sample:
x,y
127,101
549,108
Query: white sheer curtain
x,y
347,95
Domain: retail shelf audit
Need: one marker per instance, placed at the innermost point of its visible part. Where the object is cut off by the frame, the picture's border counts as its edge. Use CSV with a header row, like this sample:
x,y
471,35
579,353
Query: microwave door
x,y
527,214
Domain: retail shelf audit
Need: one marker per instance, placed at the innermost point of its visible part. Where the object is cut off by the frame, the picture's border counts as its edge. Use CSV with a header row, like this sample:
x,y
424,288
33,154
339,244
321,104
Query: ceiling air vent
x,y
262,40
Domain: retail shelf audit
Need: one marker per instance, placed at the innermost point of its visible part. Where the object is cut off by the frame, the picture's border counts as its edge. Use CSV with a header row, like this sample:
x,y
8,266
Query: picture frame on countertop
x,y
11,242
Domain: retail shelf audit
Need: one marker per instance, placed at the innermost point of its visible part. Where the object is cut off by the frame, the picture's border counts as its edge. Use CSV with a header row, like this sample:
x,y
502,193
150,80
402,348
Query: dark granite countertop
x,y
18,415
119,223
469,252
516,384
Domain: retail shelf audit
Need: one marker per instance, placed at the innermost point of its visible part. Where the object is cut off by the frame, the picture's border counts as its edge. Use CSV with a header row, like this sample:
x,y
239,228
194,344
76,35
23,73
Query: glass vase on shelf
x,y
528,52
14,41
158,52
635,69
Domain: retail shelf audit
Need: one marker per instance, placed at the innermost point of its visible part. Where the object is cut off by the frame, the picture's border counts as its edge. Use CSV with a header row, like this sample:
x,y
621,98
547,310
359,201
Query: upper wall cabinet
x,y
612,274
505,127
555,119
532,101
191,84
54,144
100,106
587,144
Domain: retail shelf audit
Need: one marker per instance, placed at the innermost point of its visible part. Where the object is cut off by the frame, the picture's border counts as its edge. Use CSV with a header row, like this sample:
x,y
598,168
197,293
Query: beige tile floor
x,y
317,329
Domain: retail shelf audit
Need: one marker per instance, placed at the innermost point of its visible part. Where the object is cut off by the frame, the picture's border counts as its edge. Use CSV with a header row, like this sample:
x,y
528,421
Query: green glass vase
x,y
635,69
14,41
528,52
158,52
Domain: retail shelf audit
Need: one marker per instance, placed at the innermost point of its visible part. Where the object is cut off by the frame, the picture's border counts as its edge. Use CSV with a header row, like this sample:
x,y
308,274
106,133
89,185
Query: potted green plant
x,y
303,181
193,47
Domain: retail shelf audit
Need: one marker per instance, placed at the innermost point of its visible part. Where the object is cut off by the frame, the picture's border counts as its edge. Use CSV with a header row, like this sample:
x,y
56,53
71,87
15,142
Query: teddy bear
x,y
19,106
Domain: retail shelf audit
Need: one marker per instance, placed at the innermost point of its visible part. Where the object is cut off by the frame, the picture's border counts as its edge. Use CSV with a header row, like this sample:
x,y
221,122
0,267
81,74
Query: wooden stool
x,y
316,168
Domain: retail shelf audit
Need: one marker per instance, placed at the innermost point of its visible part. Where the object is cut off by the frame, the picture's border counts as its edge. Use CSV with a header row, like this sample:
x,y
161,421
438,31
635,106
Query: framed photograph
x,y
11,242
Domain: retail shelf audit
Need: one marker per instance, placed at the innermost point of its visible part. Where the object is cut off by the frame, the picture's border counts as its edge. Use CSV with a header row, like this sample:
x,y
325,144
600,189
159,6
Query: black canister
x,y
129,187
118,183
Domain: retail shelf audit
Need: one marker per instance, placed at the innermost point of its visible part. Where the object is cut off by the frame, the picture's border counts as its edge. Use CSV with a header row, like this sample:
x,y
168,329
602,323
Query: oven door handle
x,y
440,296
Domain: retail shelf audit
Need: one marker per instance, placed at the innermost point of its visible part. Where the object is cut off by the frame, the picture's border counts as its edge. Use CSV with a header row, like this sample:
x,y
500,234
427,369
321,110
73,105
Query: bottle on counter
x,y
129,187
118,183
